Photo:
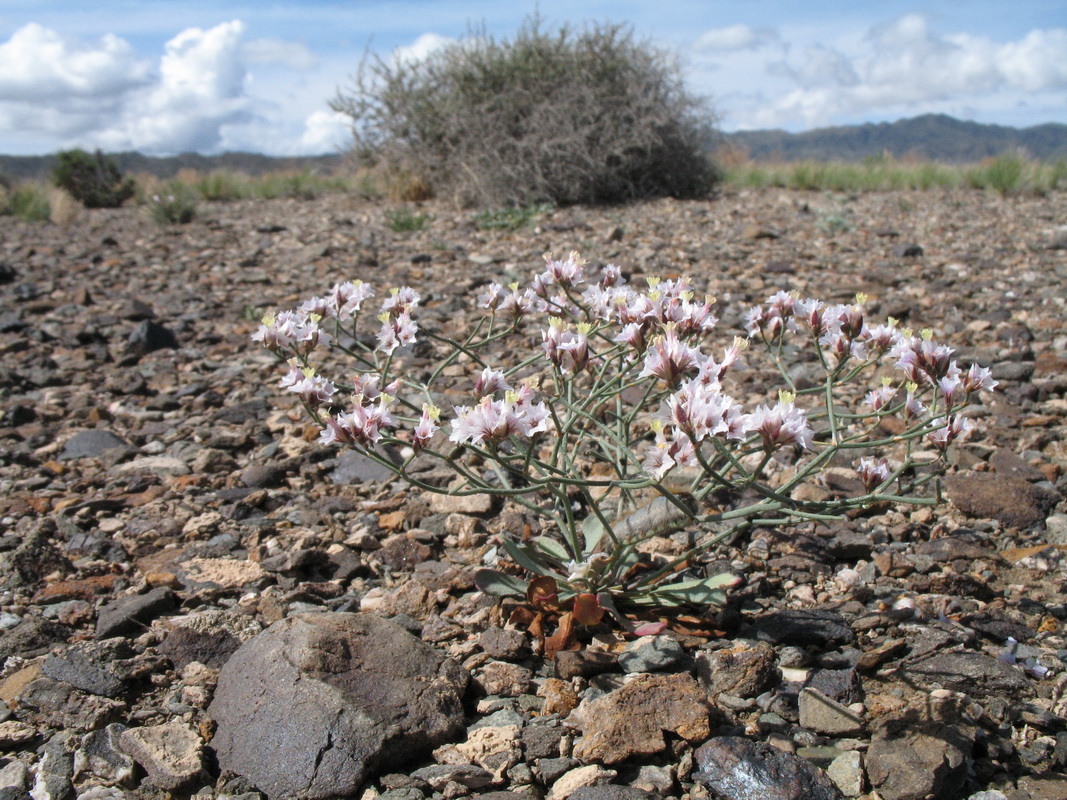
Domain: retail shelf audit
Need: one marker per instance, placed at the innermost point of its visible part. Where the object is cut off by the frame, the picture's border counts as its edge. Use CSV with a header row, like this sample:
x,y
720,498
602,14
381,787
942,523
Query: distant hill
x,y
933,137
40,167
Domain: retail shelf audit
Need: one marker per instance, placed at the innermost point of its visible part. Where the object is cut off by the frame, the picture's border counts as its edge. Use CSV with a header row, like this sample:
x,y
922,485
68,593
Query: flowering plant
x,y
622,424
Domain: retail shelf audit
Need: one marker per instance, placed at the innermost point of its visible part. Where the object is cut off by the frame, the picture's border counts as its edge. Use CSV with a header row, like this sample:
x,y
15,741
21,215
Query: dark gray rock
x,y
504,643
910,250
369,695
77,667
976,674
185,645
355,468
802,627
55,769
263,476
150,336
34,558
652,654
133,613
101,757
32,637
740,769
91,444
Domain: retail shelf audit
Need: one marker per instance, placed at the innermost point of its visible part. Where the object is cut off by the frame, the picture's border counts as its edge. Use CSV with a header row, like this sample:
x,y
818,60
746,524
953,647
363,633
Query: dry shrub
x,y
406,187
560,117
64,208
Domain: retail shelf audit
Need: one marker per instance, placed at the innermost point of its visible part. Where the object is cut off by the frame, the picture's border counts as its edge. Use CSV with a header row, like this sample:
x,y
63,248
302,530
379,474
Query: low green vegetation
x,y
404,220
1006,175
27,202
510,218
175,201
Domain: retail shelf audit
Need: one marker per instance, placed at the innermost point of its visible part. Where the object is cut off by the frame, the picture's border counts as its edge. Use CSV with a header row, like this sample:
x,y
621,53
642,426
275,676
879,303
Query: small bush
x,y
404,220
92,179
175,206
29,203
561,117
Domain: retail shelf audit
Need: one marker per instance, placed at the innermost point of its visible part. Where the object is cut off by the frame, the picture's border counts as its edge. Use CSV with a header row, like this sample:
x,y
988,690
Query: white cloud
x,y
57,92
325,132
420,48
38,65
734,37
902,68
201,87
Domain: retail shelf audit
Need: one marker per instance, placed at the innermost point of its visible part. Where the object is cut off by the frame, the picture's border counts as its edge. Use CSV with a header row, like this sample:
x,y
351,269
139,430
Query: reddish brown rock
x,y
631,721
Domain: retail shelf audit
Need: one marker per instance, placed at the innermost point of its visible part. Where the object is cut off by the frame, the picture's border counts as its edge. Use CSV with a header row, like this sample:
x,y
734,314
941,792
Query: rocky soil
x,y
171,535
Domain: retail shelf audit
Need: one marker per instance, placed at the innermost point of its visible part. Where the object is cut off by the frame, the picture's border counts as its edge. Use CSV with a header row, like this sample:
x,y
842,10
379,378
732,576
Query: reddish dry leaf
x,y
563,638
542,592
587,610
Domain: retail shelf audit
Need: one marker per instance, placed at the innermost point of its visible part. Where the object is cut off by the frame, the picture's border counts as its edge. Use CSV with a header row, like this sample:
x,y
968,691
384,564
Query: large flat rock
x,y
312,706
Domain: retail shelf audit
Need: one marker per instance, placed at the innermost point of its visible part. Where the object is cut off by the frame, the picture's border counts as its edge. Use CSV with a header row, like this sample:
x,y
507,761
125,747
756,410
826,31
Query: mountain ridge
x,y
932,137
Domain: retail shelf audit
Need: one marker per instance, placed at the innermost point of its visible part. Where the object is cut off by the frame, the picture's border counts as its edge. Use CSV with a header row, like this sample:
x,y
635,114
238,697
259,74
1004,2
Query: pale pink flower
x,y
611,275
427,426
873,473
633,334
565,273
318,306
951,387
782,303
978,378
492,296
842,346
670,358
760,321
810,312
881,338
700,410
362,426
347,298
914,408
780,424
922,359
396,331
313,389
490,382
516,304
493,421
880,397
574,349
401,300
948,430
665,454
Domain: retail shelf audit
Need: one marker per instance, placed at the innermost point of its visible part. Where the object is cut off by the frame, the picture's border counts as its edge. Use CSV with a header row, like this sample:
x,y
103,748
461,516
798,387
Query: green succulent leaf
x,y
498,584
592,532
526,557
552,549
697,592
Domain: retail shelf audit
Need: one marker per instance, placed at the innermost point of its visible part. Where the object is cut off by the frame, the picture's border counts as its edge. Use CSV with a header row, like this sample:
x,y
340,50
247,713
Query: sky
x,y
209,76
